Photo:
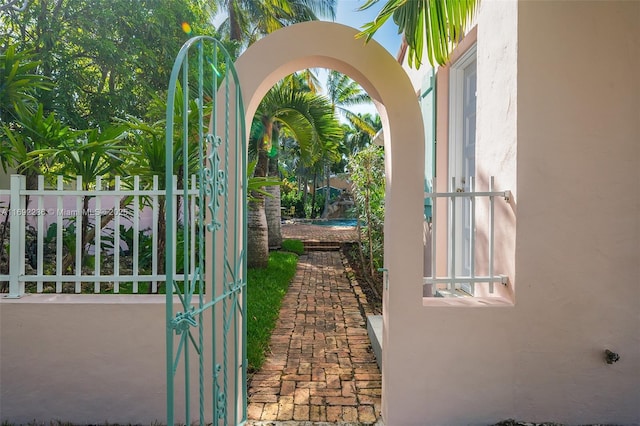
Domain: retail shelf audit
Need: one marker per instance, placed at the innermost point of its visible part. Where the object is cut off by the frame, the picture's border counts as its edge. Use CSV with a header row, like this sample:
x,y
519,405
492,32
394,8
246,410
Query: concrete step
x,y
374,329
321,246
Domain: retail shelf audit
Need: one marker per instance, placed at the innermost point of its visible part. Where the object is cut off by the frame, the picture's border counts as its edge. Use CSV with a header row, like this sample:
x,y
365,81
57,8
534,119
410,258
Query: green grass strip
x,y
265,290
294,246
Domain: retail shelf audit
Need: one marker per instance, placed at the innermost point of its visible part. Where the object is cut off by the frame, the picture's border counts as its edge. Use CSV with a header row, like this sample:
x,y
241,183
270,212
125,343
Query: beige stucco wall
x,y
84,359
578,236
558,124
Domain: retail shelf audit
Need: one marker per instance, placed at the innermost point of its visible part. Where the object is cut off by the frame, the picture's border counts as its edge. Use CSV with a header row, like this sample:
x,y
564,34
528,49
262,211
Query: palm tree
x,y
356,139
249,20
23,125
19,83
32,131
343,93
98,153
148,158
438,23
306,117
302,81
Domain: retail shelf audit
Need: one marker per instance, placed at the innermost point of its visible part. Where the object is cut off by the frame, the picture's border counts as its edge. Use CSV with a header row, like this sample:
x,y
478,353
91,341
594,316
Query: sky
x,y
348,14
387,35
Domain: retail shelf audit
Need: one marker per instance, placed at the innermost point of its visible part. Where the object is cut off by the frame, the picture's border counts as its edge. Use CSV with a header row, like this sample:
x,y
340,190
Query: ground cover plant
x,y
265,290
293,246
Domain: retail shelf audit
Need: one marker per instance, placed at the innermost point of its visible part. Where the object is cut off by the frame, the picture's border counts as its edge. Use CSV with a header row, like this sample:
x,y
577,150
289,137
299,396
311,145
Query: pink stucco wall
x,y
578,235
558,124
85,359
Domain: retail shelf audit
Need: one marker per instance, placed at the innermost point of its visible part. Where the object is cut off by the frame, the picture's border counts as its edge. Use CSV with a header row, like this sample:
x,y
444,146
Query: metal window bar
x,y
453,280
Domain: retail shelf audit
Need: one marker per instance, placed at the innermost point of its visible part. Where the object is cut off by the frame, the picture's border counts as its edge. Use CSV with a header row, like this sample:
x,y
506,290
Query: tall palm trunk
x,y
272,208
313,196
305,192
327,192
234,24
257,232
257,247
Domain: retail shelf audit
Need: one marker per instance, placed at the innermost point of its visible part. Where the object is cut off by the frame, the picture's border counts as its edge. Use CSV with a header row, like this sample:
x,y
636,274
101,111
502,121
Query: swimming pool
x,y
335,222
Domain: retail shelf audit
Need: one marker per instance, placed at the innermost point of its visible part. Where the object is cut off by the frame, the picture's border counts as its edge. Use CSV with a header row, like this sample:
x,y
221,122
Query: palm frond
x,y
437,24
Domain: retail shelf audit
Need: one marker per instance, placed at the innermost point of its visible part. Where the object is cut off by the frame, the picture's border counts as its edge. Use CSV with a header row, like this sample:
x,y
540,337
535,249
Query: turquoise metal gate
x,y
206,236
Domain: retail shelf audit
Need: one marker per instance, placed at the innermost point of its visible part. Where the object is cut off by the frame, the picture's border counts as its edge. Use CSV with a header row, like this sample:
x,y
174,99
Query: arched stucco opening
x,y
330,45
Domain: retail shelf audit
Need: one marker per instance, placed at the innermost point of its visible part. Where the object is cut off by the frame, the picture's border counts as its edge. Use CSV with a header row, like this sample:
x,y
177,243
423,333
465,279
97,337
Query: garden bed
x,y
372,287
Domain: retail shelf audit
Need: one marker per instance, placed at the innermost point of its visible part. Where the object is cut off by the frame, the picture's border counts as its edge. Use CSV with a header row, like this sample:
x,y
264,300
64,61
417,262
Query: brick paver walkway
x,y
307,232
321,366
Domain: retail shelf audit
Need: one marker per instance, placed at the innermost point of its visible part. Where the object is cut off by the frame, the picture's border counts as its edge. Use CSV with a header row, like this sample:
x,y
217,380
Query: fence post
x,y
18,210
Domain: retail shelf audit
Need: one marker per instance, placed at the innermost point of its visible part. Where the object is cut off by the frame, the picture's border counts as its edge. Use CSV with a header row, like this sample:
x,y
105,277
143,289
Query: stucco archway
x,y
330,45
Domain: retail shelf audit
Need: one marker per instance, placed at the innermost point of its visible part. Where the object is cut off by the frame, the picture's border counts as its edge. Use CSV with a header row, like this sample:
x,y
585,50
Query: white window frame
x,y
456,92
455,160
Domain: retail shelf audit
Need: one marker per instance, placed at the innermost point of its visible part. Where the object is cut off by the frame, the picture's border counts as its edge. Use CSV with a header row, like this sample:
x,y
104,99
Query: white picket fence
x,y
42,260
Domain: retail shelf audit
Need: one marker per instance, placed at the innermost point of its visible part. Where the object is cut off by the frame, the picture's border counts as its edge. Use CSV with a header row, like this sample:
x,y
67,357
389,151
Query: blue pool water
x,y
335,222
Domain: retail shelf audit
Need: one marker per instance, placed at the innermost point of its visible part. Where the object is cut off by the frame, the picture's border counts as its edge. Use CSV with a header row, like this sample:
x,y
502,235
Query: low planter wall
x,y
84,359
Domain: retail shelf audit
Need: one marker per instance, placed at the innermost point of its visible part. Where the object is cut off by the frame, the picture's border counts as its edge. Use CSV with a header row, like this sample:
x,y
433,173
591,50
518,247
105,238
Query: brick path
x,y
306,232
321,366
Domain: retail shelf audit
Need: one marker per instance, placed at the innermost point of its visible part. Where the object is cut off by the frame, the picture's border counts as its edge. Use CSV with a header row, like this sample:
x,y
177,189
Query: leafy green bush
x,y
303,208
293,198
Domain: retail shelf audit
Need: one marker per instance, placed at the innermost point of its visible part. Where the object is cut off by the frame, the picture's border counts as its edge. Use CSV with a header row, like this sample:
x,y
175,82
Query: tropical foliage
x,y
345,93
104,57
19,82
367,174
309,120
82,89
432,25
248,20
